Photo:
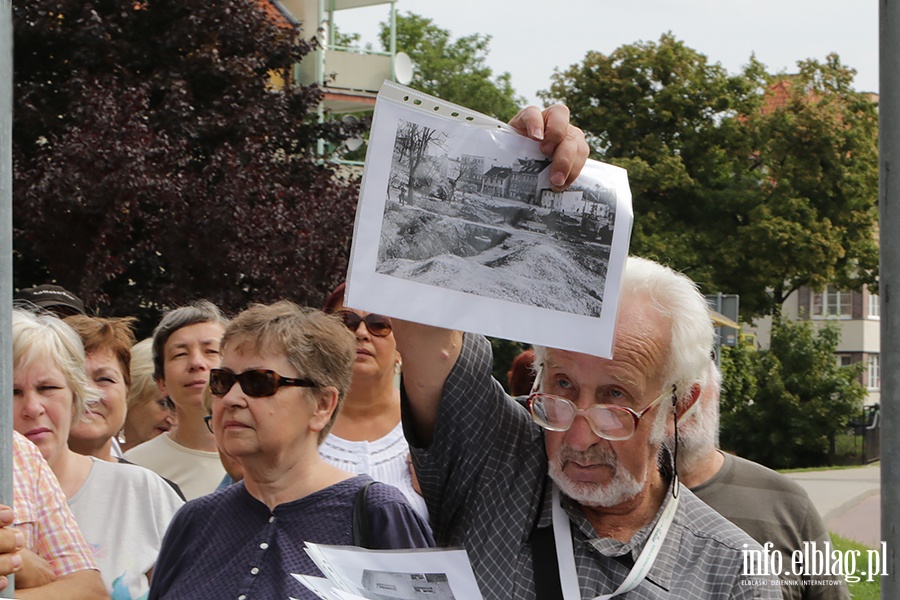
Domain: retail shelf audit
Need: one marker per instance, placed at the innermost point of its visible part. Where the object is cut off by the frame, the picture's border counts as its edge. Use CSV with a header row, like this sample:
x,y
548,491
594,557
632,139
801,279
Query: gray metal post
x,y
889,207
6,379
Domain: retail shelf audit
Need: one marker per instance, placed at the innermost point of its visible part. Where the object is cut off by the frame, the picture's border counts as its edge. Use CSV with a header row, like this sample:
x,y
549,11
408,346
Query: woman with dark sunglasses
x,y
367,436
284,374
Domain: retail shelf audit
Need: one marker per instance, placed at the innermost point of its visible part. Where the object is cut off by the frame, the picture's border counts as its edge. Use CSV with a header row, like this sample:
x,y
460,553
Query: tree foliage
x,y
454,70
154,162
784,406
751,183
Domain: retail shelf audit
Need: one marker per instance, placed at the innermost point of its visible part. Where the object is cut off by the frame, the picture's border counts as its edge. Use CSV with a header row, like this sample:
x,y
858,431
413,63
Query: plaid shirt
x,y
484,477
41,513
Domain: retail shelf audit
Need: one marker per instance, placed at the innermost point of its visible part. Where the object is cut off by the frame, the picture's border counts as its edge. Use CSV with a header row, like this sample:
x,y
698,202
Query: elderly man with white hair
x,y
577,499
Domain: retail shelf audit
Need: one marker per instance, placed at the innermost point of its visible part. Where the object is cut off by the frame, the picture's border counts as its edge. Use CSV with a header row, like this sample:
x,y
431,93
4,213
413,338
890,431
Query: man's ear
x,y
161,384
682,408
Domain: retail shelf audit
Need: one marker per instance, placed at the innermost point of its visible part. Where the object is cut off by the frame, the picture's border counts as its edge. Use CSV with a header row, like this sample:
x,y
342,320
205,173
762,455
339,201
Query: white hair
x,y
675,298
698,427
46,336
143,387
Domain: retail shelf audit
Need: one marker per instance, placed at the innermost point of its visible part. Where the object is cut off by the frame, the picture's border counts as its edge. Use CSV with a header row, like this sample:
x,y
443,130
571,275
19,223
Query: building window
x,y
844,360
874,306
873,373
831,303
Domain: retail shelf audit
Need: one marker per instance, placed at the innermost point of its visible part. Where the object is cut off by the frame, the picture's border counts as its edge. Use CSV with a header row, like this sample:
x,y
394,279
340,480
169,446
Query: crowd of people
x,y
195,464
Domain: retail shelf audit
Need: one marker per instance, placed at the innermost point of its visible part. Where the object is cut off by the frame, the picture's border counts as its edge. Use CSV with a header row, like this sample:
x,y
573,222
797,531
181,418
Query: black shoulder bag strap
x,y
543,557
361,535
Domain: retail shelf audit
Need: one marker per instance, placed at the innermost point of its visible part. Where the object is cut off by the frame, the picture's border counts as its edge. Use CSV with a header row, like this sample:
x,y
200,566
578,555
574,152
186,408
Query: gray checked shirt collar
x,y
662,569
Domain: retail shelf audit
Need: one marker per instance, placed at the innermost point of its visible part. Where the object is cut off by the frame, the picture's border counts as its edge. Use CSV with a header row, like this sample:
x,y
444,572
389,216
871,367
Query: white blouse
x,y
384,460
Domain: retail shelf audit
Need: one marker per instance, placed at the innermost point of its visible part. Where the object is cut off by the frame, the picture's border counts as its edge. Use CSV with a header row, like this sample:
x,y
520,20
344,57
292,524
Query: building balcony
x,y
349,77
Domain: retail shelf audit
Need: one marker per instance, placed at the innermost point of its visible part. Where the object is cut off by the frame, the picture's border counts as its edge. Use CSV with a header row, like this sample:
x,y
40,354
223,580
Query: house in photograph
x,y
569,203
496,182
527,178
523,181
596,220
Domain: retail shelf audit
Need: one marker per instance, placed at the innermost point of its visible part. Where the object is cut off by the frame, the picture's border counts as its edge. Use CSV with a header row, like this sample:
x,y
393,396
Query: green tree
x,y
154,162
814,216
753,184
454,70
738,366
784,406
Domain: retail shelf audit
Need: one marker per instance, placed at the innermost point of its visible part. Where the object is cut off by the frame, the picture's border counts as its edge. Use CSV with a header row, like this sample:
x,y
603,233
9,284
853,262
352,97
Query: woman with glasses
x,y
367,436
122,510
150,412
285,372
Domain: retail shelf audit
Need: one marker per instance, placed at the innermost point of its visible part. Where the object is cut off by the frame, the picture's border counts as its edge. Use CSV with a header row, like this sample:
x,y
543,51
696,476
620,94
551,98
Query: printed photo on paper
x,y
457,226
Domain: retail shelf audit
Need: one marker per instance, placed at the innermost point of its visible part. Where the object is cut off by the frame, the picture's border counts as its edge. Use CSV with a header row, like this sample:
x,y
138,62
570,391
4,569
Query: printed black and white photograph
x,y
464,215
457,227
389,585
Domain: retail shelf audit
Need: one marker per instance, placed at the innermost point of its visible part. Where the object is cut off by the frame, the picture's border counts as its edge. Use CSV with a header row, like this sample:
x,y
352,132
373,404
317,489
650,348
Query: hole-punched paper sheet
x,y
457,227
352,573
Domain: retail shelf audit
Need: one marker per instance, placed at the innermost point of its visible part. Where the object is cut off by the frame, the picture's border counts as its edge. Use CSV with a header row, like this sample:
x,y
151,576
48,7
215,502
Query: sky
x,y
530,38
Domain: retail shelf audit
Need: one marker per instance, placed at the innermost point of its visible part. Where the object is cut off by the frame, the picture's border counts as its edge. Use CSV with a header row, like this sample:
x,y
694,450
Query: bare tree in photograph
x,y
411,147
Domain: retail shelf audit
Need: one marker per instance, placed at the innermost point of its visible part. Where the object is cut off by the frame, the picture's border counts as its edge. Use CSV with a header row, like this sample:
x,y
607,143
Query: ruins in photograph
x,y
461,218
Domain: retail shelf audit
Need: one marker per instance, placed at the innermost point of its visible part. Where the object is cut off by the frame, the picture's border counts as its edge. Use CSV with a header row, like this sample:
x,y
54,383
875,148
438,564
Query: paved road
x,y
861,522
848,499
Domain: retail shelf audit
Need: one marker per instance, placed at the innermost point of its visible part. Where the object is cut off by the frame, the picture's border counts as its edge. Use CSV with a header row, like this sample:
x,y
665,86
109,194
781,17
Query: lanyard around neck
x,y
562,535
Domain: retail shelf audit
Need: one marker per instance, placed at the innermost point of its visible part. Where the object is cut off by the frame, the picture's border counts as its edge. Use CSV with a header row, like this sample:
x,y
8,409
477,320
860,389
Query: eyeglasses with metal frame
x,y
607,421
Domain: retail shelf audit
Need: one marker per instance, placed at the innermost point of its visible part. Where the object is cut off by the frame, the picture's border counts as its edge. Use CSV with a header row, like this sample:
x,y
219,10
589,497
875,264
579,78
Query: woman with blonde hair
x,y
150,412
122,510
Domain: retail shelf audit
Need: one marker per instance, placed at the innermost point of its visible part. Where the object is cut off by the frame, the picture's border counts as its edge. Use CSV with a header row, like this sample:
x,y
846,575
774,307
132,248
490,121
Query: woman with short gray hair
x,y
284,374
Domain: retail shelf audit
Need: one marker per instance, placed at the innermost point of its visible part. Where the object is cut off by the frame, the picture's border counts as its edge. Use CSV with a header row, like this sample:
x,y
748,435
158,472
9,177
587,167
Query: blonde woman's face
x,y
148,420
42,406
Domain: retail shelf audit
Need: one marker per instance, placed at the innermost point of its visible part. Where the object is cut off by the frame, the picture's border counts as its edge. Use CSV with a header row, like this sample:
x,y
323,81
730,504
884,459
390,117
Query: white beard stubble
x,y
621,488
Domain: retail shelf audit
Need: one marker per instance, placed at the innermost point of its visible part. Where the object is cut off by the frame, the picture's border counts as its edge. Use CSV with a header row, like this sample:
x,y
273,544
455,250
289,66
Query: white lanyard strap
x,y
565,552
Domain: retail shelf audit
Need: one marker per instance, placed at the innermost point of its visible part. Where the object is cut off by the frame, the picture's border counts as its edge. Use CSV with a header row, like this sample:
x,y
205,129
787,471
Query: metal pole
x,y
392,42
6,379
888,197
392,45
719,332
320,70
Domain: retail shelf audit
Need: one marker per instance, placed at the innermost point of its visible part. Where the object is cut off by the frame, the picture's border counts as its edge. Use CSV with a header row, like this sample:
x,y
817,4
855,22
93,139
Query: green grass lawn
x,y
861,590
